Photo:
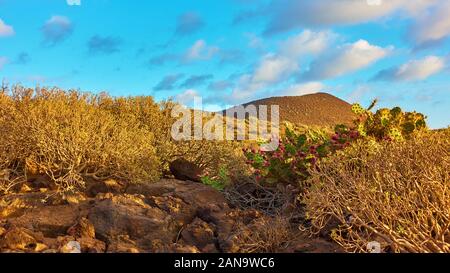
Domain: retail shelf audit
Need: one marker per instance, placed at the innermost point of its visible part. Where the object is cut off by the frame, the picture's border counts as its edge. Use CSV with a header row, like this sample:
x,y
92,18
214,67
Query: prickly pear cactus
x,y
387,123
358,109
395,134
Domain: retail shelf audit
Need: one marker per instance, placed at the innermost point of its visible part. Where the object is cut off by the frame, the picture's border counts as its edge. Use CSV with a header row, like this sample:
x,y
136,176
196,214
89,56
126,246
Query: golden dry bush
x,y
7,166
157,118
395,193
73,137
68,137
212,155
148,116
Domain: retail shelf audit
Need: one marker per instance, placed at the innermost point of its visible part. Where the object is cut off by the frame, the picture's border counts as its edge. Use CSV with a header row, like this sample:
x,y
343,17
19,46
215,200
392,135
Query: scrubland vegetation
x,y
384,179
74,138
396,193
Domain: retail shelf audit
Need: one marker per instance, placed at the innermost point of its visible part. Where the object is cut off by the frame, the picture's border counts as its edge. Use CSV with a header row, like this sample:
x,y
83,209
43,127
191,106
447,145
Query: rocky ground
x,y
168,216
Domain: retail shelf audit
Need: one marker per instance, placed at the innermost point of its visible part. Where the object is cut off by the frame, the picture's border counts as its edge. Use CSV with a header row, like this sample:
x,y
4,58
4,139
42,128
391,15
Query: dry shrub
x,y
150,116
5,181
265,235
66,136
395,193
157,119
270,200
73,137
211,155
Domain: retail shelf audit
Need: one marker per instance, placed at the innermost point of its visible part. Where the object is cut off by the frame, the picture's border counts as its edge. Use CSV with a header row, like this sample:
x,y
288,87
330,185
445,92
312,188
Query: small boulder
x,y
177,248
183,169
313,245
83,228
91,245
2,231
107,186
52,221
22,239
128,214
198,233
122,244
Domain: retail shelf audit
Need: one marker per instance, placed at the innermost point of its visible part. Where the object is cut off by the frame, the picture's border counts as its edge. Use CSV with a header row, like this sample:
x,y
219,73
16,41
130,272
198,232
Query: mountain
x,y
320,109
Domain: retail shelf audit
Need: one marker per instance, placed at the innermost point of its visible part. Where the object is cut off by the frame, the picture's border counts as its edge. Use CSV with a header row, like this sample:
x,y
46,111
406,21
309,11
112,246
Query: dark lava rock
x,y
182,169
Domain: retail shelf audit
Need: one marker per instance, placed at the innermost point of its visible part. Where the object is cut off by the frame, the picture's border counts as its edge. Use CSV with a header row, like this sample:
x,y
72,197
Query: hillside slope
x,y
319,109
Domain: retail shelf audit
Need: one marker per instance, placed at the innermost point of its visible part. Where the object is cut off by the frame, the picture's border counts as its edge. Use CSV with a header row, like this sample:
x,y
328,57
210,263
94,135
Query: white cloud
x,y
414,70
5,30
200,51
187,97
306,42
303,89
3,61
431,22
344,60
433,25
271,70
288,14
358,93
274,68
245,89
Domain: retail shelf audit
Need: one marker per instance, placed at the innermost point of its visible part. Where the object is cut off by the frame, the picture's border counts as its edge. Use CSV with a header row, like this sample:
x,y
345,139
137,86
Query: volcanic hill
x,y
320,109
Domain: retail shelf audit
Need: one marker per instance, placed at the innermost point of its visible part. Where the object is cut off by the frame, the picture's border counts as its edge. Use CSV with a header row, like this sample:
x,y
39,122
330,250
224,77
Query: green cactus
x,y
396,112
395,134
408,127
358,109
388,123
362,130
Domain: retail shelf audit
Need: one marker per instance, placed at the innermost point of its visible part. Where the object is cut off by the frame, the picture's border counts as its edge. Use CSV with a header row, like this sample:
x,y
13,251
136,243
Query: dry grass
x,y
395,193
270,200
265,235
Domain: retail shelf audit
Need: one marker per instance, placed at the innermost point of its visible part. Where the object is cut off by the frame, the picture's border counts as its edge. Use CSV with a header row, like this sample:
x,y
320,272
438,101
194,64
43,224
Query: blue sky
x,y
234,51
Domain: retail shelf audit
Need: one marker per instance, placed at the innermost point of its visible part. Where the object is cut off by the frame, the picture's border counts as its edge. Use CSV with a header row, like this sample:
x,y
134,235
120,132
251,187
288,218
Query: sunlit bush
x,y
395,193
66,136
157,118
72,137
